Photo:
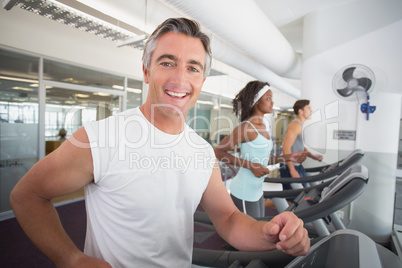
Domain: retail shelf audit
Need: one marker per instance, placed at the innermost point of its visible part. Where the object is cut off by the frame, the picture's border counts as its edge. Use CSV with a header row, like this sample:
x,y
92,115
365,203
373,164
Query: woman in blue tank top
x,y
251,104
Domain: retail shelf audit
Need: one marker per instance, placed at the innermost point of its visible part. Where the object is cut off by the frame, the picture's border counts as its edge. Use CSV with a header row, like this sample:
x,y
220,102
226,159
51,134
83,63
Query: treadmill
x,y
325,173
341,249
314,205
347,249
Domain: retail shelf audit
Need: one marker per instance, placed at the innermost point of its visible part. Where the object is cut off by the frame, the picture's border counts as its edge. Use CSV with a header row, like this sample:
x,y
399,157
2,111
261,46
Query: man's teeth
x,y
175,94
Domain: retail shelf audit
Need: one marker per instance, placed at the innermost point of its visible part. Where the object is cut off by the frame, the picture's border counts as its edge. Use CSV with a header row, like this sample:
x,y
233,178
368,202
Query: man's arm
x,y
65,170
294,129
317,157
297,157
285,232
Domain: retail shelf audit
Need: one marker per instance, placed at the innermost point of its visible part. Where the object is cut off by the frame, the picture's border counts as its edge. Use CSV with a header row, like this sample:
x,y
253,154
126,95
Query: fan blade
x,y
365,83
345,92
348,73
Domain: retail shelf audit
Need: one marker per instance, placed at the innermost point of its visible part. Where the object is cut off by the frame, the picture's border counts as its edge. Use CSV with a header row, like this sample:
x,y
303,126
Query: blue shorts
x,y
285,173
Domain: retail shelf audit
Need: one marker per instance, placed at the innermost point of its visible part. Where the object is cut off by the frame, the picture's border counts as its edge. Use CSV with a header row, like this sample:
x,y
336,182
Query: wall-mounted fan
x,y
354,82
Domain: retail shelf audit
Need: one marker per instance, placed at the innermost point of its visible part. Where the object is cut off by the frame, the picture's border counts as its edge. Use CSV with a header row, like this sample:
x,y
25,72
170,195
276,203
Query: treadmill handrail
x,y
319,177
295,192
354,171
339,163
352,182
337,201
224,258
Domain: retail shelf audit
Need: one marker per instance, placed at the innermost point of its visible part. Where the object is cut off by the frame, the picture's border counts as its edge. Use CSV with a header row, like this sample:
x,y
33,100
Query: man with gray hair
x,y
139,215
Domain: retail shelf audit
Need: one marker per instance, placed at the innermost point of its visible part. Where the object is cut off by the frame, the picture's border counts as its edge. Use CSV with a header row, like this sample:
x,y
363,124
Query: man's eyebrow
x,y
174,58
166,56
197,63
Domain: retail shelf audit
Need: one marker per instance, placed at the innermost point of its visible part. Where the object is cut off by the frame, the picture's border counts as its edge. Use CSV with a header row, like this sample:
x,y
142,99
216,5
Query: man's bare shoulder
x,y
295,127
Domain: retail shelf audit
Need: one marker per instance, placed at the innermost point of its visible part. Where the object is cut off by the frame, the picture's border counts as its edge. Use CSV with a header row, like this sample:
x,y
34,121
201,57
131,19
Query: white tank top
x,y
147,186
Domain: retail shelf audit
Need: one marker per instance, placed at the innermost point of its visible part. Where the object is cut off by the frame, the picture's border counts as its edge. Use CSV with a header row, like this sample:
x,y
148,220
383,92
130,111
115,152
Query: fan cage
x,y
360,71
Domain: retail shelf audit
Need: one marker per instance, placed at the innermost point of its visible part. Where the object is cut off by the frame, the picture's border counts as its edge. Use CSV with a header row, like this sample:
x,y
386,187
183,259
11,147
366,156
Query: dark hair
x,y
300,104
243,102
178,25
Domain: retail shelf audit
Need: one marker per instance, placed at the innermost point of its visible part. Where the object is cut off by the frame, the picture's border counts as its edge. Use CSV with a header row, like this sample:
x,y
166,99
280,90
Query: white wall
x,y
381,51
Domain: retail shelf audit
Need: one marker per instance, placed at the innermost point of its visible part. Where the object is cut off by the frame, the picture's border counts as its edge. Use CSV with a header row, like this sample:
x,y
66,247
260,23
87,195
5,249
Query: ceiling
x,y
145,15
253,33
262,38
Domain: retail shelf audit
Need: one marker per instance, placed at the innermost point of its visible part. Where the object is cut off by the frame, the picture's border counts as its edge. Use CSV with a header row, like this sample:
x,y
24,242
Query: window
x,y
66,73
205,111
134,93
227,119
19,121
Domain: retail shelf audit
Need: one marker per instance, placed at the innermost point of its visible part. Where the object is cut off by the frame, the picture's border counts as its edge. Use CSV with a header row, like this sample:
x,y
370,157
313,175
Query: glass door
x,y
69,109
19,120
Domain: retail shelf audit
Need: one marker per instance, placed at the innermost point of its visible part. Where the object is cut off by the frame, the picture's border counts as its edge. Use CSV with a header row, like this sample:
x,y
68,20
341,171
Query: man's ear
x,y
146,75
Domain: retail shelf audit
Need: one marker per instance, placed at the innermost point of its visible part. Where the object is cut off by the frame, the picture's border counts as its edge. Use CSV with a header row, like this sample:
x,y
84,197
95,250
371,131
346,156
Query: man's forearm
x,y
40,221
291,166
279,159
245,233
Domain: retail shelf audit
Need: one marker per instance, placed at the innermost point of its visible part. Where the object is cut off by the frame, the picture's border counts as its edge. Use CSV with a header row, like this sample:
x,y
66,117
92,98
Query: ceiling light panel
x,y
75,18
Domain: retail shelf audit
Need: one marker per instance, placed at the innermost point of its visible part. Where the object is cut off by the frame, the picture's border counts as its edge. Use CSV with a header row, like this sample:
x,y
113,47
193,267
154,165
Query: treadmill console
x,y
346,249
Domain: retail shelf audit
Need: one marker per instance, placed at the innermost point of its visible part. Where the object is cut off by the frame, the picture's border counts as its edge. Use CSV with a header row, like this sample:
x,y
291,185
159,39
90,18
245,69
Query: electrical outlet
x,y
340,214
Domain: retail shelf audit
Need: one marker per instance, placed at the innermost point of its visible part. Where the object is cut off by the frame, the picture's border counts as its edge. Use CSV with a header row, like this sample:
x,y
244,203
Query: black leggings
x,y
254,209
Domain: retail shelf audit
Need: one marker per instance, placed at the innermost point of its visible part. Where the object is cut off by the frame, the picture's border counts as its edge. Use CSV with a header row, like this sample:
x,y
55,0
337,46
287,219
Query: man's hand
x,y
286,231
317,157
298,157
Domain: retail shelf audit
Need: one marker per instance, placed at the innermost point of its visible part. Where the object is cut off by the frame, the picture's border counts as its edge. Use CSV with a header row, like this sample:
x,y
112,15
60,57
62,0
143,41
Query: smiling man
x,y
175,76
139,214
